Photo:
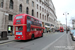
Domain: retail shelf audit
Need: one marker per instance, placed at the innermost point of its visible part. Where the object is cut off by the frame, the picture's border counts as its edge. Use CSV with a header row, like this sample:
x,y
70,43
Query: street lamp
x,y
66,19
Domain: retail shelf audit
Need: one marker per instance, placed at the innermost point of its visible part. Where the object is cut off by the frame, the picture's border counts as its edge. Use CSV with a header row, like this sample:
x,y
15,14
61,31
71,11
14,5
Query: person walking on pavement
x,y
67,30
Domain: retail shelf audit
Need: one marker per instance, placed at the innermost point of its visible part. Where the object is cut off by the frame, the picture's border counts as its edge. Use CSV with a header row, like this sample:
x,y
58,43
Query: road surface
x,y
50,41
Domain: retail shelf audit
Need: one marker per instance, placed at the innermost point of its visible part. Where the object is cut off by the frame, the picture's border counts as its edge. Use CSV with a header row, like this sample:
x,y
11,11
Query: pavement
x,y
11,38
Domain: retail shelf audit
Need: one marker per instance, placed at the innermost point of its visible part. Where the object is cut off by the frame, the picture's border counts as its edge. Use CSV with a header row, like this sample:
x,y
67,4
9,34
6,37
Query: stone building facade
x,y
41,9
47,14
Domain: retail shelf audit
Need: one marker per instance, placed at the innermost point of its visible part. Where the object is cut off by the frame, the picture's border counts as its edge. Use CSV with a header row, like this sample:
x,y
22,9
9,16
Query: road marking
x,y
45,48
6,43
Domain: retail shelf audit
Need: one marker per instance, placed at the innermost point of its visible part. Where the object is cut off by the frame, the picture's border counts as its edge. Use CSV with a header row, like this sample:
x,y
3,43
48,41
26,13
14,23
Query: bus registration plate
x,y
18,37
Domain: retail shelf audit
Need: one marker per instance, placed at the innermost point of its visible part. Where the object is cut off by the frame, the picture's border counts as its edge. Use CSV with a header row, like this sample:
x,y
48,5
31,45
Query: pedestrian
x,y
47,31
67,31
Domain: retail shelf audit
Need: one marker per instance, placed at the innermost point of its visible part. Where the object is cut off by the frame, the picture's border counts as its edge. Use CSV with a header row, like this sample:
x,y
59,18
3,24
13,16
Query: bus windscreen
x,y
19,17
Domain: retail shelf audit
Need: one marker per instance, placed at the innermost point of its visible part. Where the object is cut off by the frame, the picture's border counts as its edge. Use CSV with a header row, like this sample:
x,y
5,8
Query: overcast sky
x,y
62,6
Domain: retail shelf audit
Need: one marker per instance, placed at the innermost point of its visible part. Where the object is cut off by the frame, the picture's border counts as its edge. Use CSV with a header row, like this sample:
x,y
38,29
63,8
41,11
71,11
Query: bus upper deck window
x,y
19,17
28,17
19,28
32,19
35,20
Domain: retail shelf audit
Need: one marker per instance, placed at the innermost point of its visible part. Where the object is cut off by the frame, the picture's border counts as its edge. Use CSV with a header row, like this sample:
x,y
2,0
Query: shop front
x,y
47,27
43,25
10,30
52,28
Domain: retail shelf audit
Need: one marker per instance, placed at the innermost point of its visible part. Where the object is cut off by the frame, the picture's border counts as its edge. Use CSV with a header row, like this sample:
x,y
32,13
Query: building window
x,y
20,8
11,4
40,1
32,3
45,17
40,7
27,1
37,0
1,3
32,12
40,15
10,17
27,10
37,14
37,6
45,10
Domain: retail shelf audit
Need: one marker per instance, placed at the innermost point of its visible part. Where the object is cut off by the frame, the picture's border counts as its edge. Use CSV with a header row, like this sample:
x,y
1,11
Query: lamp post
x,y
66,19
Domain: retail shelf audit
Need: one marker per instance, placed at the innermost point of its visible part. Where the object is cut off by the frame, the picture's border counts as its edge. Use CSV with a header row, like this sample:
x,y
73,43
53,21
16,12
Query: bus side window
x,y
28,27
35,20
35,29
19,28
28,17
32,19
32,29
40,29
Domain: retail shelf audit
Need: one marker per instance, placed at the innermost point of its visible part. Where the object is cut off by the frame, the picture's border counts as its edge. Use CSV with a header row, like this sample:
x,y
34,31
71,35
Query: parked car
x,y
72,33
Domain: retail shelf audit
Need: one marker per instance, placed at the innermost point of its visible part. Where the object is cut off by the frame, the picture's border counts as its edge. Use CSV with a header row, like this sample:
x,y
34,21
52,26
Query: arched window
x,y
40,1
45,10
37,6
1,3
40,7
45,17
27,1
37,14
32,12
32,4
27,10
40,15
11,4
20,8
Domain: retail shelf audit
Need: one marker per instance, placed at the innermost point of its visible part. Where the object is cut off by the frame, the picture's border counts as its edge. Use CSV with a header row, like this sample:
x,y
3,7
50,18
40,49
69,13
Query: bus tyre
x,y
42,35
32,37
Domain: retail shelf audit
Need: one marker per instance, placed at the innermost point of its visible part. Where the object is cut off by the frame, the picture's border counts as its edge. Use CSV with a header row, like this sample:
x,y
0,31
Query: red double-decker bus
x,y
61,29
27,27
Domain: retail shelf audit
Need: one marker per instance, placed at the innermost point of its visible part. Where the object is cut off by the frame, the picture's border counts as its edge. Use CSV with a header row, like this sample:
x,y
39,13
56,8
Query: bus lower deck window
x,y
19,28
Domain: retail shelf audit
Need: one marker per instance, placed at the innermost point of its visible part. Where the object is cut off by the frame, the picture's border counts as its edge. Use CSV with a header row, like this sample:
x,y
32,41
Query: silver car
x,y
72,33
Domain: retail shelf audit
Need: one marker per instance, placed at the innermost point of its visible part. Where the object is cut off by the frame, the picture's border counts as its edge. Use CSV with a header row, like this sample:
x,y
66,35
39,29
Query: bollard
x,y
4,35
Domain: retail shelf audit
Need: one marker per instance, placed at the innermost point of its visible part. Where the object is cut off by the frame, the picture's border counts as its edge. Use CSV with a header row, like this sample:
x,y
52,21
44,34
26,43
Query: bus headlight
x,y
15,36
22,36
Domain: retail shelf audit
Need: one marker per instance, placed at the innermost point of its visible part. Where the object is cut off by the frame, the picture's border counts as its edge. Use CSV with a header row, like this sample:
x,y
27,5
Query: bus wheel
x,y
42,35
32,37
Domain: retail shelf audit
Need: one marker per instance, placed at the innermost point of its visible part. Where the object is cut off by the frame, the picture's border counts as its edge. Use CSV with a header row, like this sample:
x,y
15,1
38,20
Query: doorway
x,y
10,30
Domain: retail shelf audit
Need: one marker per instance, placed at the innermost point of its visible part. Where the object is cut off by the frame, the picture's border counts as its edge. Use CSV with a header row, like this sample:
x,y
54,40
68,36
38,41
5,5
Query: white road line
x,y
45,48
